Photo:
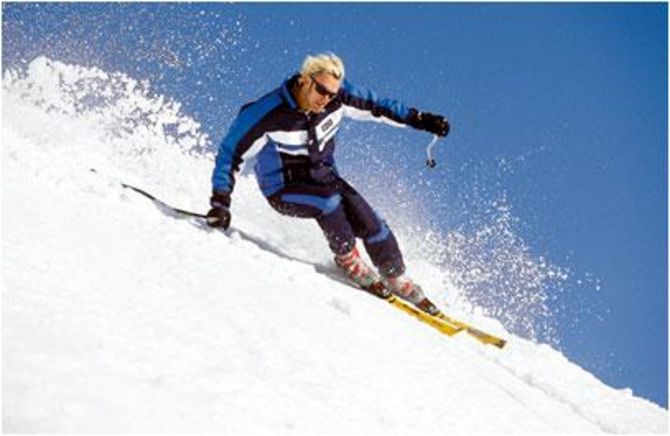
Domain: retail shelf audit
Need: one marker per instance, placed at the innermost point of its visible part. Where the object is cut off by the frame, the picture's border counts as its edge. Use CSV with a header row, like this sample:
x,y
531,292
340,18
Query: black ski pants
x,y
343,215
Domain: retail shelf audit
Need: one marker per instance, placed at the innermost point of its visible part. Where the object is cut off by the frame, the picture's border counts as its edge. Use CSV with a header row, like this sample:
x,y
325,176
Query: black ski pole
x,y
157,201
162,203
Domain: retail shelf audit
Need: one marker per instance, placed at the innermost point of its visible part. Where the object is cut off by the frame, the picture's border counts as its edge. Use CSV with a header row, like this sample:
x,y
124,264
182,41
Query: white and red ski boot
x,y
360,273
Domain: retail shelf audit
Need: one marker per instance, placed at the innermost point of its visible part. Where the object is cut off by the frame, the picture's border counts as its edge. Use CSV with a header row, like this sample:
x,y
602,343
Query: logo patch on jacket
x,y
327,125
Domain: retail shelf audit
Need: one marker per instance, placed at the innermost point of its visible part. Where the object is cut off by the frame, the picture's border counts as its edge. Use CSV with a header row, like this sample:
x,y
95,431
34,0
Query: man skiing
x,y
291,131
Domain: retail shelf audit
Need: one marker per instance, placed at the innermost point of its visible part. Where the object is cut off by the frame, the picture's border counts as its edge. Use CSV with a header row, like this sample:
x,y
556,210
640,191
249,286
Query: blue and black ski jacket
x,y
290,145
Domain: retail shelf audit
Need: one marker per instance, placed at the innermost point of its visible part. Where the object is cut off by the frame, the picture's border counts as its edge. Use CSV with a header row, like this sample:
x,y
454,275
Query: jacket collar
x,y
286,91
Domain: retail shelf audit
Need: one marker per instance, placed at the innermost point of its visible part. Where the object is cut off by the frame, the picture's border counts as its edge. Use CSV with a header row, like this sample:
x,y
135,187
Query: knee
x,y
331,204
380,234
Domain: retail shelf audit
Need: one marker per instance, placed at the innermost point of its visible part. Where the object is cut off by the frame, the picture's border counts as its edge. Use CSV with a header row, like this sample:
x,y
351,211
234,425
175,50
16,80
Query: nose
x,y
321,100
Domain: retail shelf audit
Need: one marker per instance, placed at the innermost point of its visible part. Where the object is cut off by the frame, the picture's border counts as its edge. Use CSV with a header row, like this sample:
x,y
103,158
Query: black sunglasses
x,y
322,90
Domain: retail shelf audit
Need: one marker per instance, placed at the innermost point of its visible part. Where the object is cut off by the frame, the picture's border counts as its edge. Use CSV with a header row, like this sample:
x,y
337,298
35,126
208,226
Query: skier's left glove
x,y
219,215
433,123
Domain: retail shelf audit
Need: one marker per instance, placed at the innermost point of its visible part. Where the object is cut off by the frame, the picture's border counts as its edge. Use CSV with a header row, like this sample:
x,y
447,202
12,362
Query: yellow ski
x,y
445,324
438,324
481,336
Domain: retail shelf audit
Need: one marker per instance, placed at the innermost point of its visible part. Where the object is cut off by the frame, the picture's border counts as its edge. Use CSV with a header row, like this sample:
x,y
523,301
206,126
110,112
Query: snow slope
x,y
120,318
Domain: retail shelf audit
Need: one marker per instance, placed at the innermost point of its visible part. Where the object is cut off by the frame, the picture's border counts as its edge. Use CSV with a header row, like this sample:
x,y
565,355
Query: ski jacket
x,y
291,146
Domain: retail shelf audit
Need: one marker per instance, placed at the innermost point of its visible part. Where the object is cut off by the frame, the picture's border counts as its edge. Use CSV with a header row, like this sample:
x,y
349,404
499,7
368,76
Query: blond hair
x,y
323,63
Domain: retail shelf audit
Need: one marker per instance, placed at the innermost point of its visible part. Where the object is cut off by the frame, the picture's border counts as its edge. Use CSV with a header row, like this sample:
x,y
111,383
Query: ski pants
x,y
343,215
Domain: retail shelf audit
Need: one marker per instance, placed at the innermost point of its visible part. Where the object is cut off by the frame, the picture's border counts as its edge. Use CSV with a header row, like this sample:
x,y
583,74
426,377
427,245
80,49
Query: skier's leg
x,y
382,247
324,204
379,240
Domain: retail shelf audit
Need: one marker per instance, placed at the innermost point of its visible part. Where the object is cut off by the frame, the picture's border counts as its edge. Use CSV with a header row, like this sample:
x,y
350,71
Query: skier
x,y
291,131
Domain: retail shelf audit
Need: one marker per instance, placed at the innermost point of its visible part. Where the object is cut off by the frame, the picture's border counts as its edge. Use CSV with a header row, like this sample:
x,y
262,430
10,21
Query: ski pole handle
x,y
430,162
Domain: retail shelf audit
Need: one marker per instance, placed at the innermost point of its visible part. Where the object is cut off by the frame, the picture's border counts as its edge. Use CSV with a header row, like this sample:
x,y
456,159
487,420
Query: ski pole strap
x,y
430,162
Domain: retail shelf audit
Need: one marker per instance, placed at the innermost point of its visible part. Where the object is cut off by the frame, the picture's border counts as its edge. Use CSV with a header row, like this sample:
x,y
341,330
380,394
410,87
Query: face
x,y
318,90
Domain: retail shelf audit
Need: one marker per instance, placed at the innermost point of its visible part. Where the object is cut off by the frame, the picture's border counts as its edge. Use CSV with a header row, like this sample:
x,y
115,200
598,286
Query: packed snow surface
x,y
119,317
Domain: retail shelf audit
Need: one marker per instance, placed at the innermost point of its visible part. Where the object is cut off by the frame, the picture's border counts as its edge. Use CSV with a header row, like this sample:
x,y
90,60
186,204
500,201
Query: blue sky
x,y
560,109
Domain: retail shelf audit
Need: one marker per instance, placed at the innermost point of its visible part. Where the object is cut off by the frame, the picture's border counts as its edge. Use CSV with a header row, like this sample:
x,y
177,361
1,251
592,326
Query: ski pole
x,y
162,203
430,162
151,197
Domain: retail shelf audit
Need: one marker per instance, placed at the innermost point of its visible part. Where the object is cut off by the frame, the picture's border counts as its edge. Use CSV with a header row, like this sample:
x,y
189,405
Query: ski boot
x,y
361,274
409,291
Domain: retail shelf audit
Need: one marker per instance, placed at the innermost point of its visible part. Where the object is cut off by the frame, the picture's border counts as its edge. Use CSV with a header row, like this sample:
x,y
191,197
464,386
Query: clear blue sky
x,y
561,108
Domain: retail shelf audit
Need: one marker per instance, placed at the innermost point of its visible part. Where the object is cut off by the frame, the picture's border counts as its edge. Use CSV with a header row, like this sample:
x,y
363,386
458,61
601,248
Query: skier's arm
x,y
246,133
364,104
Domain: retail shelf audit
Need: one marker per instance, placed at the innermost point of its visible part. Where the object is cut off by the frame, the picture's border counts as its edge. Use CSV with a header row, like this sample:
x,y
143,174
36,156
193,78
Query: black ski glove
x,y
435,124
219,215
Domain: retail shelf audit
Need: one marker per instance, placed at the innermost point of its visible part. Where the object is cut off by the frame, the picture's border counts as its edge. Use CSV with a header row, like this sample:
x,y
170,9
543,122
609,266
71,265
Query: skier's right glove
x,y
219,215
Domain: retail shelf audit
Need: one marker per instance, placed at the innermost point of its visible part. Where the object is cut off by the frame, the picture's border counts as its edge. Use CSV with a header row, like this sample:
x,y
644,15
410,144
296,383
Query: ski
x,y
440,322
435,322
481,336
